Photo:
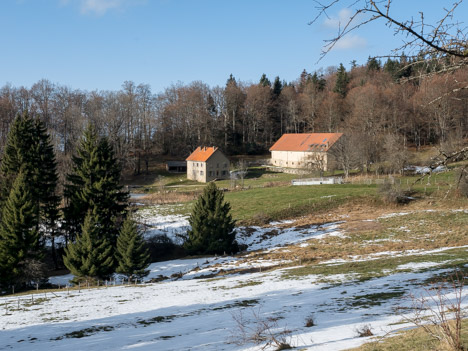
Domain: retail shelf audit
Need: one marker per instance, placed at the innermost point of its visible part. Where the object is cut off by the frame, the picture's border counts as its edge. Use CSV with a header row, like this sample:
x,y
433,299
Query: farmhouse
x,y
206,164
304,150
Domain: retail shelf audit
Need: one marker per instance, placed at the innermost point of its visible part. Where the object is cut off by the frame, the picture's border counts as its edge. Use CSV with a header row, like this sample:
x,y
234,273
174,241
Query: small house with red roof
x,y
304,150
206,164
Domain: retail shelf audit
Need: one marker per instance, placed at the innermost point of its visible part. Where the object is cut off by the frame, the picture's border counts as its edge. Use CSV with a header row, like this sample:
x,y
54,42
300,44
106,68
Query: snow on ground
x,y
197,310
259,238
198,314
163,220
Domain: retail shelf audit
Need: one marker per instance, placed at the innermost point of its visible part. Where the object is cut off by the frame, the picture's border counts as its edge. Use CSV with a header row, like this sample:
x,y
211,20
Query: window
x,y
224,173
210,173
201,172
217,165
225,165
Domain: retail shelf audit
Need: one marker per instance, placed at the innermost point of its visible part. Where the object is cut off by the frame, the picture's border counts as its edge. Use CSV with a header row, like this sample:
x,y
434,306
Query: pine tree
x,y
94,185
90,256
29,146
19,152
212,229
373,64
277,87
132,255
264,81
342,80
20,246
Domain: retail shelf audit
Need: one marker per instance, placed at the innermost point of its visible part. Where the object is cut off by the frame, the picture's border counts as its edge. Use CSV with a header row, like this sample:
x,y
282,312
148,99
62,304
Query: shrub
x,y
310,321
393,194
462,182
364,331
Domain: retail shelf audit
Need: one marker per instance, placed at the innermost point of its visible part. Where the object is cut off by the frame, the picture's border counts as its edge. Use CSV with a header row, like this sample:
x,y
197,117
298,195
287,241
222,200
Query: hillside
x,y
344,269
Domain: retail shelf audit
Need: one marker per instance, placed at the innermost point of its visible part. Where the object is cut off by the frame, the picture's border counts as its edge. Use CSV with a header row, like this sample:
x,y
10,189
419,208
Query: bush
x,y
462,182
161,247
393,194
310,321
364,331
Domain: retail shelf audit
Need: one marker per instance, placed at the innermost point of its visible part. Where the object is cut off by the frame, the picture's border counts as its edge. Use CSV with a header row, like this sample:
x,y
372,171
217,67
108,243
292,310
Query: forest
x,y
382,108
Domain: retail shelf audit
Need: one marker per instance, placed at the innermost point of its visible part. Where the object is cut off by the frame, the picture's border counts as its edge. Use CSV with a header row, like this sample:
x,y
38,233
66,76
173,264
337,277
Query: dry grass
x,y
413,340
366,233
168,197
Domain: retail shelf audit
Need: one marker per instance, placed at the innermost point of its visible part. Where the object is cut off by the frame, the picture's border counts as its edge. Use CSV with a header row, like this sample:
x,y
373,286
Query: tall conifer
x,y
342,80
90,256
20,246
94,185
132,256
29,147
212,225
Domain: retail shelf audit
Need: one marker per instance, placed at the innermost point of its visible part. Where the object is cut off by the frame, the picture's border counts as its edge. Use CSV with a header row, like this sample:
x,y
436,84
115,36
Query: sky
x,y
99,44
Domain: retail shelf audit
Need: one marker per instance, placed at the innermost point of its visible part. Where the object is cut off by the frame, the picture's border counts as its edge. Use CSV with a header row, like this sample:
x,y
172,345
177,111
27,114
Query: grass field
x,y
269,196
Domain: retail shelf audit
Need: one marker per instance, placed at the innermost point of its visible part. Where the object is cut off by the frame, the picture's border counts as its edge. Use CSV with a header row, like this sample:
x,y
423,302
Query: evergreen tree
x,y
132,255
264,81
29,147
20,247
90,256
277,87
94,185
212,229
19,152
319,82
373,64
342,80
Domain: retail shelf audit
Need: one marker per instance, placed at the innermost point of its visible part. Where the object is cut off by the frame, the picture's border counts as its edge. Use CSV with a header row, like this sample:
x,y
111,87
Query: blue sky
x,y
98,44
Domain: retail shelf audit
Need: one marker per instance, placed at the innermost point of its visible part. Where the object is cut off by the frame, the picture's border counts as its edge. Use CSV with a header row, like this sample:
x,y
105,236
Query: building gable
x,y
202,154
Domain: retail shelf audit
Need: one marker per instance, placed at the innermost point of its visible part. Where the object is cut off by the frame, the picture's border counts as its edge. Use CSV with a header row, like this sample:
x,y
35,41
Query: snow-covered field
x,y
198,310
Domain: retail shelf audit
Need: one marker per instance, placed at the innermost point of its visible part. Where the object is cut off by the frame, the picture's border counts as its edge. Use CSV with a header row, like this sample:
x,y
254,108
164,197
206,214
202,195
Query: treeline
x,y
369,102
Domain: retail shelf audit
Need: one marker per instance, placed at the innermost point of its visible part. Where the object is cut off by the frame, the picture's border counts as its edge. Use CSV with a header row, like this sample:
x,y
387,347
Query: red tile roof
x,y
202,154
306,142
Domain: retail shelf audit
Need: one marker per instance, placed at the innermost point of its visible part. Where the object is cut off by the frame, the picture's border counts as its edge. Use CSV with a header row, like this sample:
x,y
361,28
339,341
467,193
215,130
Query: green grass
x,y
269,195
290,201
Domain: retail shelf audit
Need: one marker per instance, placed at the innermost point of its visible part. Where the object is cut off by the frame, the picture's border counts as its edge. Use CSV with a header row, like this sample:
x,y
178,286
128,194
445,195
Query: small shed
x,y
176,166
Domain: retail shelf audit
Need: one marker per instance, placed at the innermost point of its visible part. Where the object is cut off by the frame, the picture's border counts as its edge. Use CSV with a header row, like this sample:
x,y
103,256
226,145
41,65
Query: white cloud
x,y
350,41
99,7
339,21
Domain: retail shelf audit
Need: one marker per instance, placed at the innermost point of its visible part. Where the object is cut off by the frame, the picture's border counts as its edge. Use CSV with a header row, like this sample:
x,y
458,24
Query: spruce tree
x,y
90,256
29,147
93,184
264,81
212,226
20,247
342,80
19,152
277,87
132,255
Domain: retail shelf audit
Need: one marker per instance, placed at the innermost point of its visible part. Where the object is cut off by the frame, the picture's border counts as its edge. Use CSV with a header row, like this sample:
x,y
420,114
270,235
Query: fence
x,y
317,181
